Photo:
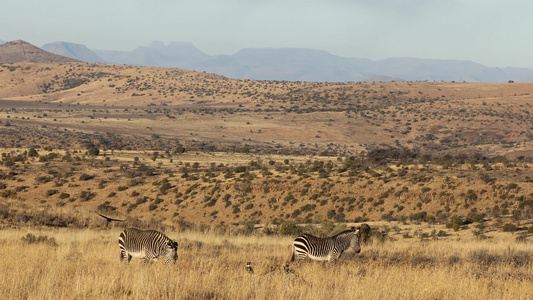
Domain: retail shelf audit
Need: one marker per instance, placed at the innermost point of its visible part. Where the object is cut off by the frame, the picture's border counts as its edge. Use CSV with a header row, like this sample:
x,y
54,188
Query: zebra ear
x,y
353,228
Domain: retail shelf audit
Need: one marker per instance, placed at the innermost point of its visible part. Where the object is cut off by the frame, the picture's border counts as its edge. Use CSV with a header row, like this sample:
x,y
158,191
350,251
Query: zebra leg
x,y
301,256
293,254
125,256
334,257
150,259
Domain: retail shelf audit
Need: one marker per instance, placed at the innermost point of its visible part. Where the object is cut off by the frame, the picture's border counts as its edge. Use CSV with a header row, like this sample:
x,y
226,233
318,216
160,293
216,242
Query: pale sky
x,y
496,33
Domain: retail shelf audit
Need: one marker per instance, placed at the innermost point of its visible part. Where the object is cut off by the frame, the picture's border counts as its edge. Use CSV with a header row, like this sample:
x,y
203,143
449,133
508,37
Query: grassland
x,y
234,169
84,264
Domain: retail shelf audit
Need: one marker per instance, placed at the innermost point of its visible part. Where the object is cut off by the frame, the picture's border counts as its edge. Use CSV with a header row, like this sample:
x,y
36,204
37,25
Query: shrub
x,y
455,223
93,151
419,216
289,228
106,207
51,192
86,177
509,227
32,239
33,153
86,195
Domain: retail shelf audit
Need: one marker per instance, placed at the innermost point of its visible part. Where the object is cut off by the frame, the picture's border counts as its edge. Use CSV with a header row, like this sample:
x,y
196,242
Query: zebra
x,y
326,249
147,244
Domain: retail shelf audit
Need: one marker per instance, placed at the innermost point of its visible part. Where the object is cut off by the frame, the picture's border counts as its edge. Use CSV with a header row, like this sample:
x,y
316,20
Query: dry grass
x,y
85,265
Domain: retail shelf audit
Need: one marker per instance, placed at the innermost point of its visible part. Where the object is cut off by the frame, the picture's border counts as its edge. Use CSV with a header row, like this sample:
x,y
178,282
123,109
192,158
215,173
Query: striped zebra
x,y
323,249
147,244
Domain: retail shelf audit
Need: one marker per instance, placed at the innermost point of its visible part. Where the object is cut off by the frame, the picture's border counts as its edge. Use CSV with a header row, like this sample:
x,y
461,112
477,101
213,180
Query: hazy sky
x,y
495,33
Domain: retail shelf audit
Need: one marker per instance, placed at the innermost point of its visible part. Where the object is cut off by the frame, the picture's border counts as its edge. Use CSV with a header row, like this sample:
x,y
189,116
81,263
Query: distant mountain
x,y
21,51
416,69
2,42
311,65
299,64
294,64
76,51
175,55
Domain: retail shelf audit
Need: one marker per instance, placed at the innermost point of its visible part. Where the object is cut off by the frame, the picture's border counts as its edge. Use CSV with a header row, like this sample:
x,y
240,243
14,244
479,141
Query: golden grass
x,y
85,265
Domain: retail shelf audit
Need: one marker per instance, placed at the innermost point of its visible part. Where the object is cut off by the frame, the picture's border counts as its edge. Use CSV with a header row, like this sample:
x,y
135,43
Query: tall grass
x,y
84,264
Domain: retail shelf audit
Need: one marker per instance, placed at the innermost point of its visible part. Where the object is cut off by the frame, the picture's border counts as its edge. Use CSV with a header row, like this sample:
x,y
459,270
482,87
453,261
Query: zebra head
x,y
355,241
171,251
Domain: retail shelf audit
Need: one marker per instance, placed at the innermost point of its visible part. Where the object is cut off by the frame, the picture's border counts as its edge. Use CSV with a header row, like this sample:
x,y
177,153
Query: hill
x,y
189,148
21,51
286,117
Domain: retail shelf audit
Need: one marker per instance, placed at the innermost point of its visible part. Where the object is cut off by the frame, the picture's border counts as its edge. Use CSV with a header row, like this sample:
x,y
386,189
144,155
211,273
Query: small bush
x,y
289,228
93,151
509,227
51,192
141,201
32,239
86,177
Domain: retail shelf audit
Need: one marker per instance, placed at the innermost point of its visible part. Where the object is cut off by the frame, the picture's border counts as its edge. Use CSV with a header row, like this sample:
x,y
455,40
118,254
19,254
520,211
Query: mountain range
x,y
293,64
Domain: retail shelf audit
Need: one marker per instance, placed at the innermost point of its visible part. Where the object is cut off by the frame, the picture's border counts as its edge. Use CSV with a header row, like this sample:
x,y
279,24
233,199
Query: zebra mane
x,y
344,232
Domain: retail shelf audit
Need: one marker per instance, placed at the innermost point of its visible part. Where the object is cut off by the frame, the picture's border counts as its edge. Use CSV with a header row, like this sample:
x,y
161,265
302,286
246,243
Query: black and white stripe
x,y
147,244
329,249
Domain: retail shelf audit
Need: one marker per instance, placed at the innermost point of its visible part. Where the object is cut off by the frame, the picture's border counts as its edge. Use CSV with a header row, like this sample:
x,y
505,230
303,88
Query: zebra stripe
x,y
147,244
325,249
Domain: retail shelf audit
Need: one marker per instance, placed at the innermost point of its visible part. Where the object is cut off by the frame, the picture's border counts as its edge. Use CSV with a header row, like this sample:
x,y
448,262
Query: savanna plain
x,y
234,170
84,264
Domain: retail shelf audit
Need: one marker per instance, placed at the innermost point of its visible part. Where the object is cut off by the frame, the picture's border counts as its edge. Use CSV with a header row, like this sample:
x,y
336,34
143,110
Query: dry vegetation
x,y
236,168
227,190
84,264
154,108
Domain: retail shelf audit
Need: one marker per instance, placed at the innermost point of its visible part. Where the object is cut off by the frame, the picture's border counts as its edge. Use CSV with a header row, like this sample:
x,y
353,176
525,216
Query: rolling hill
x,y
185,147
21,51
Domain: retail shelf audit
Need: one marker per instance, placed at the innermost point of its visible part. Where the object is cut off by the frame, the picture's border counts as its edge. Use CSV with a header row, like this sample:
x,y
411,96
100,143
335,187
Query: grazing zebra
x,y
147,244
329,249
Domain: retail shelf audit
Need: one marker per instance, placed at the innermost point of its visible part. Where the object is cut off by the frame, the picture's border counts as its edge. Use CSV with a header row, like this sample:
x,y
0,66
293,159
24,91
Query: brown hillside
x,y
268,151
21,51
160,107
